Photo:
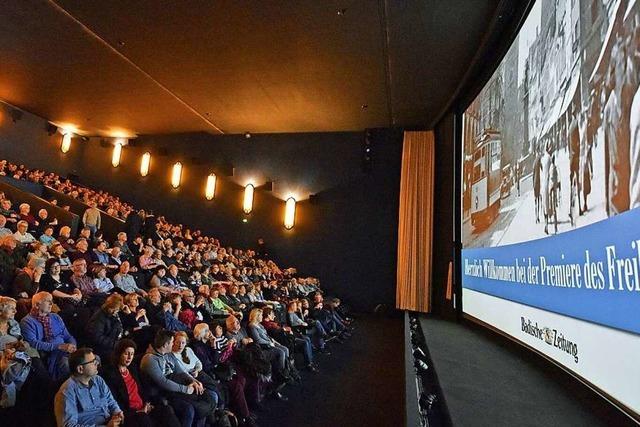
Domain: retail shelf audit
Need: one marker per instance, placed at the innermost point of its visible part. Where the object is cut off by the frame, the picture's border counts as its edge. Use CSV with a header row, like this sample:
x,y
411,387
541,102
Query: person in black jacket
x,y
104,328
134,223
121,375
149,230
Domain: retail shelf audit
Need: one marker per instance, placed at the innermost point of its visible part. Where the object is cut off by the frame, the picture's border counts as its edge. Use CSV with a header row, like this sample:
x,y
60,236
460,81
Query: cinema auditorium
x,y
319,213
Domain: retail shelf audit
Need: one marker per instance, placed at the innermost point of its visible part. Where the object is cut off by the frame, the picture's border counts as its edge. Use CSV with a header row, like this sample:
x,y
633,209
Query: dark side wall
x,y
347,235
443,214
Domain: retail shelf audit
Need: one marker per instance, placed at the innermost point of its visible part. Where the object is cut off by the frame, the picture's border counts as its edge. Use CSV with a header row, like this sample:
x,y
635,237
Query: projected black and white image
x,y
552,142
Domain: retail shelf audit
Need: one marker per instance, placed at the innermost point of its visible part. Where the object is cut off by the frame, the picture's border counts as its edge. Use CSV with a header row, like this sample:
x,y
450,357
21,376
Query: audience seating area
x,y
156,325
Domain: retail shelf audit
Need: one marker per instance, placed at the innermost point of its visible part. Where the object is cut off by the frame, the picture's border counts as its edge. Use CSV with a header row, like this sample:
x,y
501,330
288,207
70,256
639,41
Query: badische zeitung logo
x,y
551,336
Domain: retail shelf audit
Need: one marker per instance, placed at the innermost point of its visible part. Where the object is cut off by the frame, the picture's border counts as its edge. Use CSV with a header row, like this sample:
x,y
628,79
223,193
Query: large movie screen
x,y
551,190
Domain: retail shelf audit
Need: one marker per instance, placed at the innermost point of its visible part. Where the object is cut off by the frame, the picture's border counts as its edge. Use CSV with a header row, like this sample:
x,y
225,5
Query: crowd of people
x,y
161,326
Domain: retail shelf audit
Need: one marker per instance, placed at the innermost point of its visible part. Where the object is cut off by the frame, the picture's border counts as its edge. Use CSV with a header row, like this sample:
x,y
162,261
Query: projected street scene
x,y
552,142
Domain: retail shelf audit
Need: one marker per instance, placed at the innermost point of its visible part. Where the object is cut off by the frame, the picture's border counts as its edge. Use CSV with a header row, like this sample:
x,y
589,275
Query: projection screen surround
x,y
551,189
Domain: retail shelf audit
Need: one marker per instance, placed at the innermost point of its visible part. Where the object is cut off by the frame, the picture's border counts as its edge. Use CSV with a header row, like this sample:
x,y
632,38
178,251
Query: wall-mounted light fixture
x,y
247,205
210,189
66,142
176,175
290,213
117,152
145,163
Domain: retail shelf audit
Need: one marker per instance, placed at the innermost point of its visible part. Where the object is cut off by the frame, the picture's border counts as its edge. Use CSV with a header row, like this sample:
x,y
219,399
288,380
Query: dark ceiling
x,y
152,67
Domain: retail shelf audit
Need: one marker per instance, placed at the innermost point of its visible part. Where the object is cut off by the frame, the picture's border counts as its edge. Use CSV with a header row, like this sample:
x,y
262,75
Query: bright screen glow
x,y
550,190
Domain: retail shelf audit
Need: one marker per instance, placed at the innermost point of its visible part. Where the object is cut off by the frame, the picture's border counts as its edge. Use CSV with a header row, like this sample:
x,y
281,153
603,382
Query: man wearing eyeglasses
x,y
85,399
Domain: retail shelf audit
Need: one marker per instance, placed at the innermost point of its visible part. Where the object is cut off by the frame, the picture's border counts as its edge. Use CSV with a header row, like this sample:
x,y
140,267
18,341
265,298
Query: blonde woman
x,y
10,333
278,353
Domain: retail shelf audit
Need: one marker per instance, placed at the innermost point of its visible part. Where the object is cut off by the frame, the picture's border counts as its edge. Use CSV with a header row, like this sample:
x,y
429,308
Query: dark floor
x,y
488,380
360,383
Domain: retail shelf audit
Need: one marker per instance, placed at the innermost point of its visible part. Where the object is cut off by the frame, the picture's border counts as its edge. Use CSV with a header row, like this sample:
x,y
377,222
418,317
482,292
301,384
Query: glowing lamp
x,y
290,213
145,163
247,205
176,175
210,189
66,142
117,152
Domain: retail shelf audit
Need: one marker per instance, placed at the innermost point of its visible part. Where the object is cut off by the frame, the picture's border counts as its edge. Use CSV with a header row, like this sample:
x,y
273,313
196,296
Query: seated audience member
x,y
101,282
185,394
283,334
123,379
64,237
135,321
47,333
104,328
311,328
115,258
47,236
279,354
242,342
10,332
22,235
126,282
25,385
4,231
92,296
121,243
195,279
44,222
82,252
233,299
11,260
217,275
85,399
157,256
11,216
243,297
157,280
183,356
205,275
9,328
137,246
27,280
99,255
66,296
146,260
192,311
330,323
219,305
214,352
208,310
162,314
172,281
40,251
24,212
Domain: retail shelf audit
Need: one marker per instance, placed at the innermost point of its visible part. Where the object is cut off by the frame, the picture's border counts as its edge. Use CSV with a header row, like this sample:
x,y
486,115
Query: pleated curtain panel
x,y
413,291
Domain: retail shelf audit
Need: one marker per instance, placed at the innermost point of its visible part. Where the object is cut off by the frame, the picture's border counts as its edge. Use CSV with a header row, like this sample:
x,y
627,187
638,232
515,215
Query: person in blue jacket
x,y
46,332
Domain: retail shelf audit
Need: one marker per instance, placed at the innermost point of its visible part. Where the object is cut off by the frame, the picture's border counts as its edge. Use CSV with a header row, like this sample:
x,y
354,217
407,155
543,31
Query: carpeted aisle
x,y
360,383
